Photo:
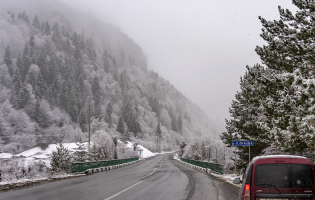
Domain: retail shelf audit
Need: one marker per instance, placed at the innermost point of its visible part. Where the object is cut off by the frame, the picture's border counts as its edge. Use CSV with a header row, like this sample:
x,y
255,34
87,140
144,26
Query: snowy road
x,y
160,177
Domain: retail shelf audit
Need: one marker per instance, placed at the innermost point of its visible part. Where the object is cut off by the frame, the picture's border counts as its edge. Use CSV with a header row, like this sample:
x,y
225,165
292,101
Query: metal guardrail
x,y
215,167
77,167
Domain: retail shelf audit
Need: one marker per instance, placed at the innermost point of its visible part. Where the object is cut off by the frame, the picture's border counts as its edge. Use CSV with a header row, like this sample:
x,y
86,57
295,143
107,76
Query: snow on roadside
x,y
145,153
225,177
26,181
165,152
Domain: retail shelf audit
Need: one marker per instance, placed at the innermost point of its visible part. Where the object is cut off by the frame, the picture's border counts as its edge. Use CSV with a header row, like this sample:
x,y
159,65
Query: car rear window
x,y
284,175
278,175
302,176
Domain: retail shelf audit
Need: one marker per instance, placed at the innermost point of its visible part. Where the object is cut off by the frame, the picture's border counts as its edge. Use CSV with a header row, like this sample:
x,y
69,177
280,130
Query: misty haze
x,y
177,99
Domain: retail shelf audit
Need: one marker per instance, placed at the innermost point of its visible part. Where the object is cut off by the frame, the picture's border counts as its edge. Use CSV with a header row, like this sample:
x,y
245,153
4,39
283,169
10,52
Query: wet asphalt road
x,y
160,177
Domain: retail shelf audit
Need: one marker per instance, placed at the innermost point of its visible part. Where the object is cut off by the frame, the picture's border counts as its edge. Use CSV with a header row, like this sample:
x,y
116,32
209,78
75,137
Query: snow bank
x,y
228,178
5,155
31,152
145,153
37,153
225,177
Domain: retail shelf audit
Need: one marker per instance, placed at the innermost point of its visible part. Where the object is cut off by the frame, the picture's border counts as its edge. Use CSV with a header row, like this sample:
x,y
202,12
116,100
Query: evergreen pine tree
x,y
94,155
8,60
15,88
180,124
72,107
60,160
96,91
24,97
158,137
203,150
80,154
121,127
19,62
123,82
83,120
155,105
130,117
186,116
37,113
115,141
32,54
26,62
56,37
41,63
174,124
25,17
40,90
47,29
105,59
64,96
290,54
249,118
109,111
36,23
5,77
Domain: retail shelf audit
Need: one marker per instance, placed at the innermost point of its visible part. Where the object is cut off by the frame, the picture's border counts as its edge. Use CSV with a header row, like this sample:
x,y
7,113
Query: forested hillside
x,y
54,68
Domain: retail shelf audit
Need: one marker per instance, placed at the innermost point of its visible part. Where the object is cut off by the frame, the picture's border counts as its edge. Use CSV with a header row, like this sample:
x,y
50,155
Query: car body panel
x,y
277,166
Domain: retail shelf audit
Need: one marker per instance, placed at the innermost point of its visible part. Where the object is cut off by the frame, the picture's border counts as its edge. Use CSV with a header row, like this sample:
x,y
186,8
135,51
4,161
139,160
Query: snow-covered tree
x,y
121,127
8,60
109,111
94,155
275,105
104,144
36,23
249,117
60,160
80,155
182,149
158,137
5,78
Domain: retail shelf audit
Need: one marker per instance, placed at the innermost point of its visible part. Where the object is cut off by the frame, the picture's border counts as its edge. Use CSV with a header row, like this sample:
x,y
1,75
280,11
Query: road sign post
x,y
242,143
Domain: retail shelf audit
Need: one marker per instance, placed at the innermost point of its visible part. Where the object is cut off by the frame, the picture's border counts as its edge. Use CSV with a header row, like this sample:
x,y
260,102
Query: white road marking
x,y
123,191
129,187
152,172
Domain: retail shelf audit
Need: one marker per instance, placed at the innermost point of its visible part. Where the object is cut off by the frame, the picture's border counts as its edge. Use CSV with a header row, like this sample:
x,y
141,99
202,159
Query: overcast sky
x,y
201,46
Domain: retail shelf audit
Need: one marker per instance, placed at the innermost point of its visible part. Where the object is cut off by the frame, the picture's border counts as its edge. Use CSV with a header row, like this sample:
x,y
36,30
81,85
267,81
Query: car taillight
x,y
246,194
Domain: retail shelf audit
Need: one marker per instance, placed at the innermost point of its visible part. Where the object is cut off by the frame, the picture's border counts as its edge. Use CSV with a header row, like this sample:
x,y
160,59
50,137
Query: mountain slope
x,y
59,62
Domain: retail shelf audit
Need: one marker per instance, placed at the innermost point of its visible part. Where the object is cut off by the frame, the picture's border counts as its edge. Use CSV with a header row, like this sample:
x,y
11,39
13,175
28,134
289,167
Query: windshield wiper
x,y
268,184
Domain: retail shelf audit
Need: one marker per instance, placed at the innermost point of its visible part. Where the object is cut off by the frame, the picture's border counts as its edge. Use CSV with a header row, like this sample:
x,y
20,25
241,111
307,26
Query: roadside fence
x,y
215,167
77,167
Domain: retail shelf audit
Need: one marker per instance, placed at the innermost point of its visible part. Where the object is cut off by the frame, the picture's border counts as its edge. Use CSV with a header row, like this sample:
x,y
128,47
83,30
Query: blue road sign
x,y
242,143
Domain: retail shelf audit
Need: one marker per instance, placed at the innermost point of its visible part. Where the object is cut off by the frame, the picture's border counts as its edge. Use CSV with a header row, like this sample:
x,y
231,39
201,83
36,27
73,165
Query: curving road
x,y
160,177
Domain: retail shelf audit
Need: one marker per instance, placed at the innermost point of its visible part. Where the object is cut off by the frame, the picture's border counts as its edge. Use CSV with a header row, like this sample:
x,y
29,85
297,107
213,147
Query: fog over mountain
x,y
202,47
56,62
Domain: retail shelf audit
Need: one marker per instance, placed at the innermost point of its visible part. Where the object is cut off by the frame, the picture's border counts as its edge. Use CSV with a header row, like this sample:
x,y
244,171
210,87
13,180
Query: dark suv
x,y
278,177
